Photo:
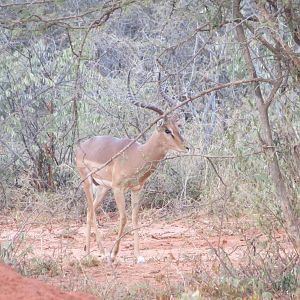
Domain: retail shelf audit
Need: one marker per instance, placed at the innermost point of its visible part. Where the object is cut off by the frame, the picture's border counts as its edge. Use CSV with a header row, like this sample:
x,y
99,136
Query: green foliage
x,y
6,252
288,281
37,266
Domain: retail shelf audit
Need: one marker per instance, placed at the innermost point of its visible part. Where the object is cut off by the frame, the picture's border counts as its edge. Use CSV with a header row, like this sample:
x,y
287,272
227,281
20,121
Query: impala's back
x,y
96,151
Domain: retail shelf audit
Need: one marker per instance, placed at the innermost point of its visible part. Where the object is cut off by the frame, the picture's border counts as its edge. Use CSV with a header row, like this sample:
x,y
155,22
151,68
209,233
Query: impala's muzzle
x,y
184,148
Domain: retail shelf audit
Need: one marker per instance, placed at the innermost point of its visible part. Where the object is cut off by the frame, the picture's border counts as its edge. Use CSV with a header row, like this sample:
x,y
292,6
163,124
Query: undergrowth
x,y
267,267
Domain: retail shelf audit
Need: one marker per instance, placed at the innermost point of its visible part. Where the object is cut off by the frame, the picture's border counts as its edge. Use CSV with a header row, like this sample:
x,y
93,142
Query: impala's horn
x,y
137,103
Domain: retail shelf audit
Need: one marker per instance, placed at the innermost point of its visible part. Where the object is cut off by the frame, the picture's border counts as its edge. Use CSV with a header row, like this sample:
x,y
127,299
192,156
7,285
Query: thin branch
x,y
274,90
62,21
218,87
215,156
26,3
259,37
216,171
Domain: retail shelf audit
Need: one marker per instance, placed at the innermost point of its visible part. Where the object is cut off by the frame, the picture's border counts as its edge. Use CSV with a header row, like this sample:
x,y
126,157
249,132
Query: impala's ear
x,y
178,117
160,123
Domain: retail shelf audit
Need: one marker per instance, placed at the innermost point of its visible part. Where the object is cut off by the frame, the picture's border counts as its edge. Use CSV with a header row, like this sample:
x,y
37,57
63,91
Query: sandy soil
x,y
174,249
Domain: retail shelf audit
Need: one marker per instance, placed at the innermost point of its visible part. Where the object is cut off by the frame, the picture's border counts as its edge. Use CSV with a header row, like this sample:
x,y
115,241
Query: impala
x,y
127,171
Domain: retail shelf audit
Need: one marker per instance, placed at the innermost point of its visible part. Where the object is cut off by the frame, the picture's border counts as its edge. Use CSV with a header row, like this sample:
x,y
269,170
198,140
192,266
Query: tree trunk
x,y
267,140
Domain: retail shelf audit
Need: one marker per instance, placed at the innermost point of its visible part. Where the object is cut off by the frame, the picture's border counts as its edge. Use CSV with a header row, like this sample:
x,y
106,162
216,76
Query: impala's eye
x,y
168,131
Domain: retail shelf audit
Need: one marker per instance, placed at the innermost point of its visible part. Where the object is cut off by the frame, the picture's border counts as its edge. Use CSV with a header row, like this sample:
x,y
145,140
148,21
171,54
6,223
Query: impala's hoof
x,y
111,258
140,259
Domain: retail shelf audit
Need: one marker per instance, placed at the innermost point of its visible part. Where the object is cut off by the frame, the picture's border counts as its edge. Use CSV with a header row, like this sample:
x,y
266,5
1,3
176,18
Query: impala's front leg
x,y
120,201
135,204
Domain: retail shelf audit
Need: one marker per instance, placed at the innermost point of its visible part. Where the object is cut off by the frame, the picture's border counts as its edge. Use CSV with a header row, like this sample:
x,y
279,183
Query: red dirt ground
x,y
14,287
174,250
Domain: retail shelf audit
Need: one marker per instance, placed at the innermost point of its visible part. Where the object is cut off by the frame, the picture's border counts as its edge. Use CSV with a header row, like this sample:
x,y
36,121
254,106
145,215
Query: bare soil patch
x,y
175,250
15,287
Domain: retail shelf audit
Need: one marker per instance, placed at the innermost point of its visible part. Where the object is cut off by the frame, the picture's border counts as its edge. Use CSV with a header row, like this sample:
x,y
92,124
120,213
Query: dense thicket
x,y
63,75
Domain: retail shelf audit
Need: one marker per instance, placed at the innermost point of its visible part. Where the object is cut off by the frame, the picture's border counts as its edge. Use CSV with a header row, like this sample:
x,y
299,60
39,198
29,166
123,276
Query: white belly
x,y
103,182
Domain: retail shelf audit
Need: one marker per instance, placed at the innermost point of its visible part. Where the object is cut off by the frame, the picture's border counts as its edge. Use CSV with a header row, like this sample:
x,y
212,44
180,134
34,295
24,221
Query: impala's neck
x,y
154,150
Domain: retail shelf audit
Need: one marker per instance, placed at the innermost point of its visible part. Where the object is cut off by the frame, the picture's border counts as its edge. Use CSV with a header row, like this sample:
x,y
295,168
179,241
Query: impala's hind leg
x,y
87,187
100,194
